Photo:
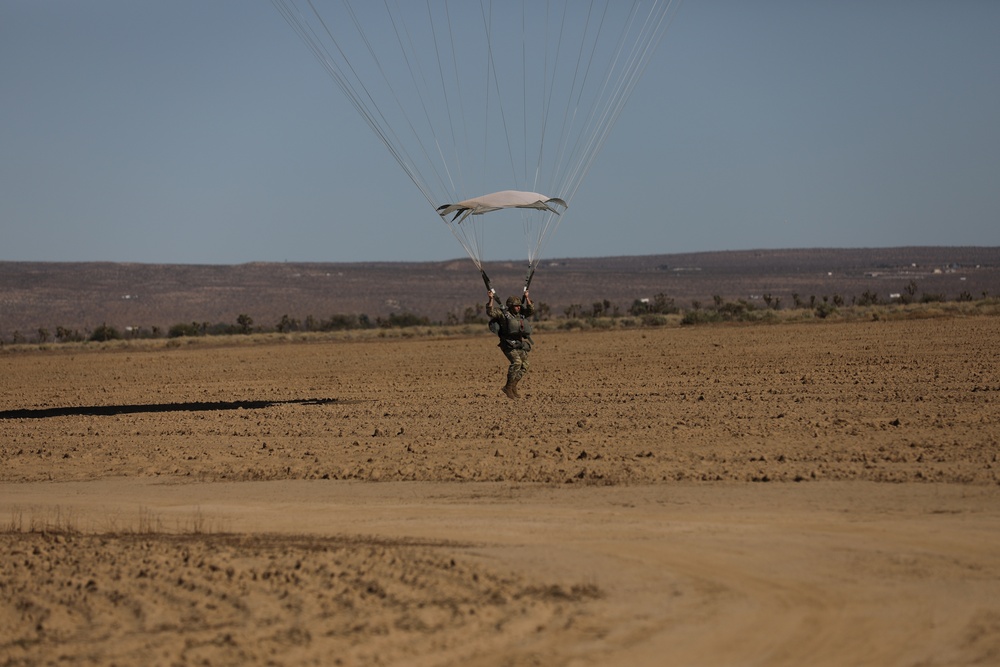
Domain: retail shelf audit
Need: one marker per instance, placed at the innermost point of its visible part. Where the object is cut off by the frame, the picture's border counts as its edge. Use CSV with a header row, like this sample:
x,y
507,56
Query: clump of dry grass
x,y
54,521
57,521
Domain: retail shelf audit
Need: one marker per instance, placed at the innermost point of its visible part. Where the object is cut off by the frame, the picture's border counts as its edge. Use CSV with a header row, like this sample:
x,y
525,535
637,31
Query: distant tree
x,y
403,320
287,324
104,333
735,310
639,307
663,304
868,298
219,329
341,323
473,314
43,335
184,329
824,310
245,323
68,335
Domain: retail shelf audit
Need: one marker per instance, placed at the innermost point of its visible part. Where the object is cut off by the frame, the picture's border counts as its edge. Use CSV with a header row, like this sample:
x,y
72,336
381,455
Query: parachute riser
x,y
489,285
528,277
527,281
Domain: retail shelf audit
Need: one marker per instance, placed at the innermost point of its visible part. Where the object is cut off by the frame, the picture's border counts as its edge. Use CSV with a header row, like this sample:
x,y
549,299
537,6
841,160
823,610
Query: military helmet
x,y
513,301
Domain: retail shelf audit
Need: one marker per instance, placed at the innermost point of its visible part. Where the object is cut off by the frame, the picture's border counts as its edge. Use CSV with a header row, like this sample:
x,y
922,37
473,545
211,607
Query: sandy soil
x,y
795,494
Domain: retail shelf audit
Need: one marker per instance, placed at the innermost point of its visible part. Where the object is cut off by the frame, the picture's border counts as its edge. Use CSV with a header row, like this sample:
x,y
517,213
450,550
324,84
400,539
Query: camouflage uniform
x,y
515,341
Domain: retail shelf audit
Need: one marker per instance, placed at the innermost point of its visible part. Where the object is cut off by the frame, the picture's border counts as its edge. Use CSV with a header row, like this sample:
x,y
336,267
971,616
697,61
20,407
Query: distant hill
x,y
83,296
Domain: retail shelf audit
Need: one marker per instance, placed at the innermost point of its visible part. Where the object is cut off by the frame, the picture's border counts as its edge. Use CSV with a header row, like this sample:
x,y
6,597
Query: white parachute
x,y
485,104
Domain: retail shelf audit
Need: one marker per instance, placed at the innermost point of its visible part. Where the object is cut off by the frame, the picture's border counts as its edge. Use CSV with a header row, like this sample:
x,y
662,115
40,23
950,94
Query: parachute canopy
x,y
499,200
497,96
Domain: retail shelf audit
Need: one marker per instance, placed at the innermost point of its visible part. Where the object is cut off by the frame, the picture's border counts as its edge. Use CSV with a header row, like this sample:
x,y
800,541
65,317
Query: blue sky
x,y
199,131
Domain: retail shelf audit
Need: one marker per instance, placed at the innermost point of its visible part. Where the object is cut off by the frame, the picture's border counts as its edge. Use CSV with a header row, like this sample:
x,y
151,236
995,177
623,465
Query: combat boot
x,y
513,387
509,389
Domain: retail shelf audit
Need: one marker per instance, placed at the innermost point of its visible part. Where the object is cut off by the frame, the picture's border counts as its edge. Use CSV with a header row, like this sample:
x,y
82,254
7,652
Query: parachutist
x,y
515,336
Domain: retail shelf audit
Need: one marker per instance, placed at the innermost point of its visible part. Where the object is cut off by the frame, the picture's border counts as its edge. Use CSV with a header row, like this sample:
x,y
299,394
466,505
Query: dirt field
x,y
822,494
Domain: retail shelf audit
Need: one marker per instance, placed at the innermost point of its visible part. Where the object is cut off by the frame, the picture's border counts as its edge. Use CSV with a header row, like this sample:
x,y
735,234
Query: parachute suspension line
x,y
456,154
495,78
524,119
579,159
574,100
549,83
421,85
348,80
469,236
527,215
552,221
466,141
524,93
536,233
486,91
402,38
545,231
654,26
371,111
619,79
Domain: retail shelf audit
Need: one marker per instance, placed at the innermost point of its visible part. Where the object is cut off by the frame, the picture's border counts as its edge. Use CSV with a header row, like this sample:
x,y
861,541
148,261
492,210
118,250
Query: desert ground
x,y
790,494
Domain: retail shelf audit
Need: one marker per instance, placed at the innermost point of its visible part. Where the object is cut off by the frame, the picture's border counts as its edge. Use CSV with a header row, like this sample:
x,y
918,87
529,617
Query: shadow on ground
x,y
196,406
